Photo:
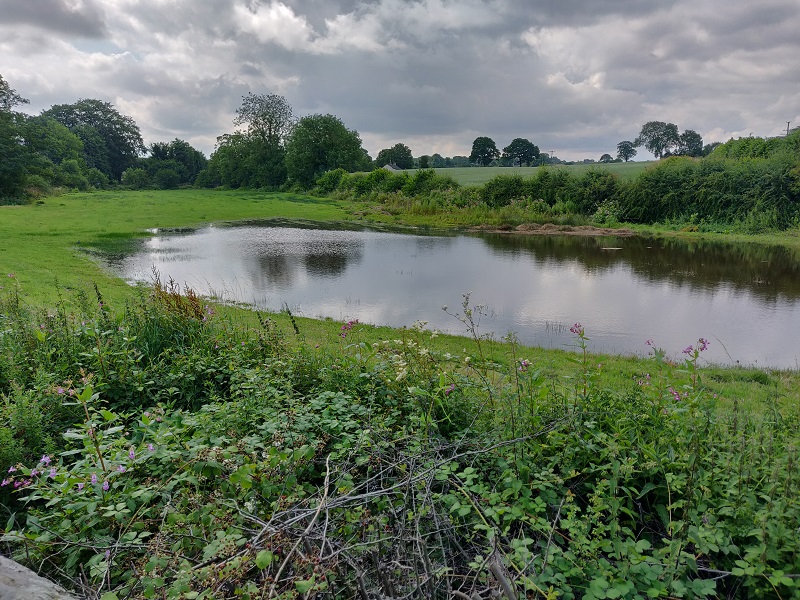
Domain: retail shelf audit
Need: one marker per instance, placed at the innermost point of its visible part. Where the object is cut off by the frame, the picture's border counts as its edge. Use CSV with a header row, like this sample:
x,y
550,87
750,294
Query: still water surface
x,y
744,298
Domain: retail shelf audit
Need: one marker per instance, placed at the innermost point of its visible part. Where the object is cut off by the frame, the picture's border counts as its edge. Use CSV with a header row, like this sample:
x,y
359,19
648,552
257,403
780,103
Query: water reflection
x,y
745,298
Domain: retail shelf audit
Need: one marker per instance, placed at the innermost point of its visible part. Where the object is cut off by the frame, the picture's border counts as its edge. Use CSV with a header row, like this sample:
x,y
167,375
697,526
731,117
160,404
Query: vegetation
x,y
162,448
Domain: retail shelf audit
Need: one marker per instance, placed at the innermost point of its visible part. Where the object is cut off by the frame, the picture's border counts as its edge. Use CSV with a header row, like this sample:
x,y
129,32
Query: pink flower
x,y
688,350
577,329
45,459
5,482
450,389
12,469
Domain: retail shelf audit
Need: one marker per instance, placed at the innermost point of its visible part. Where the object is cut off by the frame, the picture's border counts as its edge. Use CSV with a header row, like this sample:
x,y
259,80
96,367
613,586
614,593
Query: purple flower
x,y
45,460
523,365
649,342
121,469
52,473
105,486
94,477
577,329
5,482
702,344
80,485
60,391
151,448
34,473
132,453
12,469
688,350
450,389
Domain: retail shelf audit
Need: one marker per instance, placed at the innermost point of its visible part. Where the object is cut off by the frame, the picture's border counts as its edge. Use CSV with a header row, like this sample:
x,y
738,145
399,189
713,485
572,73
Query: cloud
x,y
572,77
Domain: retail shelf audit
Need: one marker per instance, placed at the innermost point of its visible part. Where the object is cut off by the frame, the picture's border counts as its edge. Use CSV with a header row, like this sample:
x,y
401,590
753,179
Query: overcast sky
x,y
572,76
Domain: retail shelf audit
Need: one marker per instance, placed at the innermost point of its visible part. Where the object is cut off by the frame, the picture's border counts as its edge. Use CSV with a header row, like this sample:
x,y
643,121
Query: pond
x,y
744,298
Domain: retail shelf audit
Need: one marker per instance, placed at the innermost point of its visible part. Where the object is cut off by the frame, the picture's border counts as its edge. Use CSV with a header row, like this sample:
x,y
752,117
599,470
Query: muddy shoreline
x,y
552,229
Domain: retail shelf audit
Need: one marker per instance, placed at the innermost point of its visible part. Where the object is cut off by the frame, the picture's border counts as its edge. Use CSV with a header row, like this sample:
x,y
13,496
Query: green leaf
x,y
304,585
109,596
264,559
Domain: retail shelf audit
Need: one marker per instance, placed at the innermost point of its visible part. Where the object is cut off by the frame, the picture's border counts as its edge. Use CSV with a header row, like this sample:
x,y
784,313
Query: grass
x,y
480,175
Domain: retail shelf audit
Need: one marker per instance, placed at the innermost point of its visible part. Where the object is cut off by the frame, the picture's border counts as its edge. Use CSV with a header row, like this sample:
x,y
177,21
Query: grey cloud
x,y
81,19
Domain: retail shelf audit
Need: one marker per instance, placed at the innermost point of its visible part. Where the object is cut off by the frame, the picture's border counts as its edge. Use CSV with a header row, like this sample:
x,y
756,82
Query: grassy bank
x,y
480,175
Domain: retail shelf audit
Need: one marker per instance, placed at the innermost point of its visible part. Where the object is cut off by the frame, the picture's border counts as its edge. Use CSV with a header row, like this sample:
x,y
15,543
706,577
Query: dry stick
x,y
494,567
550,537
307,530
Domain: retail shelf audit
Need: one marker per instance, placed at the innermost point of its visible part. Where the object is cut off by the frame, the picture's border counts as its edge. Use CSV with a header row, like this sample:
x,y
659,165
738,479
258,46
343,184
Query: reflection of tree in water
x,y
276,270
328,264
767,272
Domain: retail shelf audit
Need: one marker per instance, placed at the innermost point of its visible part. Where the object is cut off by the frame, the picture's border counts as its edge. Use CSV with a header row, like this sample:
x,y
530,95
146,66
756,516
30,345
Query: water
x,y
745,299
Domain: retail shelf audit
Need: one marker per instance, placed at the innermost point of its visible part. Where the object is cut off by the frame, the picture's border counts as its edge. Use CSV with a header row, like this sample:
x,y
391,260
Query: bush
x,y
502,190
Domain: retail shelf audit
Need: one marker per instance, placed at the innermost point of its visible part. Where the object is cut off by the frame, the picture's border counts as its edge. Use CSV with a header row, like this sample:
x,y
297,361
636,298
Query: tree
x,y
484,151
398,155
690,143
9,98
268,116
120,136
320,143
438,161
424,161
177,155
626,150
658,137
520,150
606,158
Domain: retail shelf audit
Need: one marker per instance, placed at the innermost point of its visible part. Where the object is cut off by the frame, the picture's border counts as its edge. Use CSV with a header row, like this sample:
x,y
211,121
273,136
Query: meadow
x,y
153,444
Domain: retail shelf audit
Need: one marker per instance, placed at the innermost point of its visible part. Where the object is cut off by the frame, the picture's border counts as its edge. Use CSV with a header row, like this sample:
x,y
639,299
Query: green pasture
x,y
480,175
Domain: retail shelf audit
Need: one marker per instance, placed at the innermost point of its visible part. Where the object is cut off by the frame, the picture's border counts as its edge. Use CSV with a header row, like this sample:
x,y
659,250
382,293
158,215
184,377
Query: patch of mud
x,y
553,229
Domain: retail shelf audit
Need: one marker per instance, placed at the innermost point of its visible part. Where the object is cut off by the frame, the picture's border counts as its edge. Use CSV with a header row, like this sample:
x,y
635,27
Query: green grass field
x,y
480,175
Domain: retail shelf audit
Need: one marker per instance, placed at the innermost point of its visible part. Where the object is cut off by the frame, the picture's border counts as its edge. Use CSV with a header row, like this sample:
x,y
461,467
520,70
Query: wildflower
x,y
52,473
450,389
45,460
34,473
17,484
5,482
577,329
80,485
132,453
523,365
151,448
702,344
60,391
12,469
105,486
94,478
121,469
688,349
649,342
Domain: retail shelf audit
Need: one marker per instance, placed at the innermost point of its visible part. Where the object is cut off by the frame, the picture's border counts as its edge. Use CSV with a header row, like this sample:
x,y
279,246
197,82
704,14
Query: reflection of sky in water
x,y
537,291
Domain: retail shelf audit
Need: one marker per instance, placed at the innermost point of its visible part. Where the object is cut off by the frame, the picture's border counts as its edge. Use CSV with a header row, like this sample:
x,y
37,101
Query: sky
x,y
575,77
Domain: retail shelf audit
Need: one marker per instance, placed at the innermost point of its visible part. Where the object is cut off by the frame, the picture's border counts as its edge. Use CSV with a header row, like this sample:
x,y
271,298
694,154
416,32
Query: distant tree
x,y
424,161
606,158
438,162
121,139
9,98
459,161
690,143
658,137
521,151
177,155
52,140
136,179
398,155
626,150
320,143
267,116
709,148
484,151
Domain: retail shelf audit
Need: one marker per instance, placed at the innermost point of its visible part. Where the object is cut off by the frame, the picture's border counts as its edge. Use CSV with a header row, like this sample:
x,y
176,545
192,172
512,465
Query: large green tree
x,y
521,151
112,141
484,151
178,156
626,150
658,137
690,143
320,143
267,116
398,155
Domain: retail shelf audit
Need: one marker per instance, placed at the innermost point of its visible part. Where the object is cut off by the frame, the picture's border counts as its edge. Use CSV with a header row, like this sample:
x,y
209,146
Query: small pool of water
x,y
745,299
